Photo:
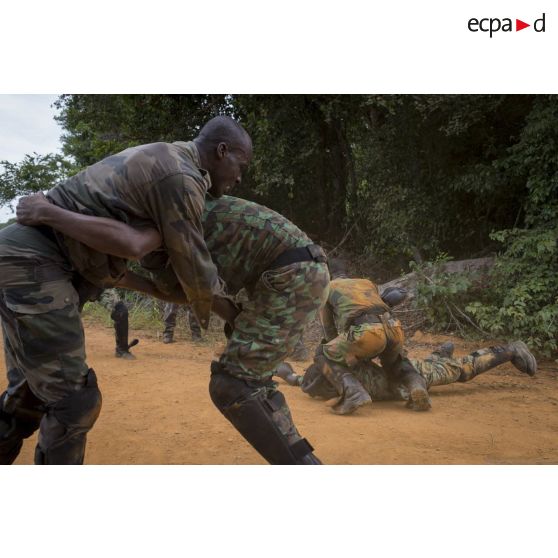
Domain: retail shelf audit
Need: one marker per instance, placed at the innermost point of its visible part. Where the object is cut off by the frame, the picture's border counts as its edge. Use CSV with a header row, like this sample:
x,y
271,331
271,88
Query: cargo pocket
x,y
46,318
278,280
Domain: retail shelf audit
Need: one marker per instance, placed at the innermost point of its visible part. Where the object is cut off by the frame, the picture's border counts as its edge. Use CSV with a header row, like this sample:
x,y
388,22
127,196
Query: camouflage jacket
x,y
243,238
349,298
157,184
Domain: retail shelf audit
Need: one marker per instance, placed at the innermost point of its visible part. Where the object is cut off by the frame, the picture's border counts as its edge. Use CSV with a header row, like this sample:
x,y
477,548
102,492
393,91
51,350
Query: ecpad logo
x,y
493,25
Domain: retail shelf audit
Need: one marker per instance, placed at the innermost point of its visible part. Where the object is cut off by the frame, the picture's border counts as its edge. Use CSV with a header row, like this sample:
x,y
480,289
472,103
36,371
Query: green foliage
x,y
522,301
393,176
442,296
35,173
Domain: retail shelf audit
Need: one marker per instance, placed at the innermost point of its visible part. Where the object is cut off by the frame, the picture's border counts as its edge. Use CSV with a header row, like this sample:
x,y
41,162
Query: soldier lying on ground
x,y
358,325
158,188
286,279
440,368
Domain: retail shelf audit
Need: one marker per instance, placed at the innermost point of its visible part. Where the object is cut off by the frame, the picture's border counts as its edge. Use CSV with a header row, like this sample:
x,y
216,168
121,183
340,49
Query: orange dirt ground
x,y
156,410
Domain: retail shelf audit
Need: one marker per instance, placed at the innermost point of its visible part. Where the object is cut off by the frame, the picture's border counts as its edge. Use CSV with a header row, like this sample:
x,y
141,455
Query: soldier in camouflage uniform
x,y
285,278
440,368
358,326
158,188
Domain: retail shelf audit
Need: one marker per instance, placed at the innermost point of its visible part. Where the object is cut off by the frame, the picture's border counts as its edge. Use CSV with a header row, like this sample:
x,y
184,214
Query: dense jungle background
x,y
393,183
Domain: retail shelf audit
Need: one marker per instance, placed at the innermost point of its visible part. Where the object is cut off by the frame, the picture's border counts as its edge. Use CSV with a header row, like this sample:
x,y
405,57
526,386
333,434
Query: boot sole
x,y
419,400
527,362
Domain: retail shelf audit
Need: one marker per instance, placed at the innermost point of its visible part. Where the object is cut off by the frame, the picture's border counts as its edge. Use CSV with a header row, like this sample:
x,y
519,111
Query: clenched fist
x,y
30,209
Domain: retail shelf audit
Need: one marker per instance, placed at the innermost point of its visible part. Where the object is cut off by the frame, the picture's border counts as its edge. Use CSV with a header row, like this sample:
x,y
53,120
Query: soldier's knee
x,y
81,408
224,389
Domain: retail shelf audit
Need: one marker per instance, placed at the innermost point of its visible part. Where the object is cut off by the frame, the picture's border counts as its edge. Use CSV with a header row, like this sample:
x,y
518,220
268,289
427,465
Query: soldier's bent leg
x,y
485,359
285,371
65,425
315,384
414,387
352,393
260,413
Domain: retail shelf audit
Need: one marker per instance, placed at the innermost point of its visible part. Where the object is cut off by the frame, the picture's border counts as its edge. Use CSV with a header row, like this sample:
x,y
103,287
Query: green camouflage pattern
x,y
43,334
349,298
157,184
435,369
281,304
244,238
439,371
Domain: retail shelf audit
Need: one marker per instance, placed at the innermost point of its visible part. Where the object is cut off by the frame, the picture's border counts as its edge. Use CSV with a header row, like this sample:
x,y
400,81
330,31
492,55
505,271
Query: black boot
x,y
285,371
445,350
120,317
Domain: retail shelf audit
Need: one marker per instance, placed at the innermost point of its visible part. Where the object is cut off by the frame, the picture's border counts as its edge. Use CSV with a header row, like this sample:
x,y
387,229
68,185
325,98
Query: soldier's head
x,y
225,151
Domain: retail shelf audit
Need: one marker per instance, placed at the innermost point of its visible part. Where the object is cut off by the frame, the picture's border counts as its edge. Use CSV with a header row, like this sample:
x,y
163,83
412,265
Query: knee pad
x,y
263,418
81,408
66,424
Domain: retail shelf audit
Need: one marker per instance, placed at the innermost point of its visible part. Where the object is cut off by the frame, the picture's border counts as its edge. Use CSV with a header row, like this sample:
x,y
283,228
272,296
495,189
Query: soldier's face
x,y
230,164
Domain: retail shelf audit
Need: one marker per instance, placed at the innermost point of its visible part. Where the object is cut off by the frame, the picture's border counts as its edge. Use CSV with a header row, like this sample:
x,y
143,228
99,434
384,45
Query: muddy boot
x,y
285,371
353,395
522,358
419,400
445,350
485,359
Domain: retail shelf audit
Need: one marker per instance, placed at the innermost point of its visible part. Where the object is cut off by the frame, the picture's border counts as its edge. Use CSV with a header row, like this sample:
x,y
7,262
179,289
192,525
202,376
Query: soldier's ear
x,y
221,150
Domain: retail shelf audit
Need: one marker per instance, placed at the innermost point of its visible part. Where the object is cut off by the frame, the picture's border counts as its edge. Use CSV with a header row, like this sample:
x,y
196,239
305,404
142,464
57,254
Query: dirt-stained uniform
x,y
49,381
247,241
437,369
360,323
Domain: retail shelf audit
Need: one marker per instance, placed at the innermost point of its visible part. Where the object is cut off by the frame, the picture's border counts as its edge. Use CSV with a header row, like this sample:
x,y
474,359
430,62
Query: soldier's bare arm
x,y
135,282
107,236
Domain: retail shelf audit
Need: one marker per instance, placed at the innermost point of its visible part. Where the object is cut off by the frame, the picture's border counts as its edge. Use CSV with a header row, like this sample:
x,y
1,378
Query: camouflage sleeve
x,y
176,204
328,322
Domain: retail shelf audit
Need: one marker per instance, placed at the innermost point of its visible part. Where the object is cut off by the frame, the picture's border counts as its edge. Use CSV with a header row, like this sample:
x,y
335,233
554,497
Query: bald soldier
x,y
286,279
440,368
48,271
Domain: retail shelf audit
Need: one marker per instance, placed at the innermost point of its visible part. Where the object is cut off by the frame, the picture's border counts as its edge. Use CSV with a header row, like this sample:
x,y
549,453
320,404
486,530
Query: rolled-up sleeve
x,y
176,205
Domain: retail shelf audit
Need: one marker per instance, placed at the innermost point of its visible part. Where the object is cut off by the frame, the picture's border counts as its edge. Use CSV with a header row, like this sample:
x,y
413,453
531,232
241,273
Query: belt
x,y
309,253
370,318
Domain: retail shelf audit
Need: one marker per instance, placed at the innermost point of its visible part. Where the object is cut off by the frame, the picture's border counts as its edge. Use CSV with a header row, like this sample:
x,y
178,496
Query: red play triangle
x,y
519,25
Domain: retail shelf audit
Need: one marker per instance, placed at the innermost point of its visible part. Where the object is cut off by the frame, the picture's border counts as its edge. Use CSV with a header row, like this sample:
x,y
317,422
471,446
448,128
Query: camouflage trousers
x,y
171,313
272,321
435,369
44,346
367,341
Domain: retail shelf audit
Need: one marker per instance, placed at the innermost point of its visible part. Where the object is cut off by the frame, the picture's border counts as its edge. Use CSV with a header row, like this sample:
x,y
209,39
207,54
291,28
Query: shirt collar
x,y
191,151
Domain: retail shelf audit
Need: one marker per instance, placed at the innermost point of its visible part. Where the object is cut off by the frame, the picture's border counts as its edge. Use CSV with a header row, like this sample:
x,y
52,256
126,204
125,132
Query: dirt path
x,y
156,410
